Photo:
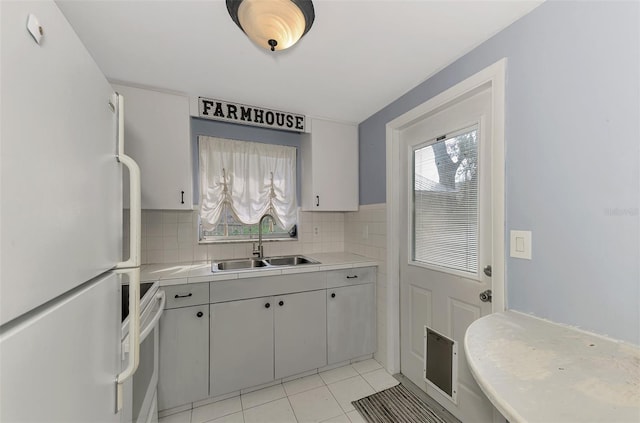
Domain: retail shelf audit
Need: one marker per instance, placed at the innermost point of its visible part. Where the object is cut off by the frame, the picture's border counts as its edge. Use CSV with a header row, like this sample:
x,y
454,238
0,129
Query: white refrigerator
x,y
61,165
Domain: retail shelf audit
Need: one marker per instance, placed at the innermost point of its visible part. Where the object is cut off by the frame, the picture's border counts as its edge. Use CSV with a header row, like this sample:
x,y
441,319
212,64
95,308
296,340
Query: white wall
x,y
572,171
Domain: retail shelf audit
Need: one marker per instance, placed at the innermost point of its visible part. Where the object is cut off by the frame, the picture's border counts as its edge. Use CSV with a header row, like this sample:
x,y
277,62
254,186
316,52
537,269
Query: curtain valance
x,y
247,178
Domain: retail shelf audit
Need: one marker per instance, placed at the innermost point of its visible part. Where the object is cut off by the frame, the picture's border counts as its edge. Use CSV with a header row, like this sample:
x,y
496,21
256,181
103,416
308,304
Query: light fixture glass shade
x,y
273,24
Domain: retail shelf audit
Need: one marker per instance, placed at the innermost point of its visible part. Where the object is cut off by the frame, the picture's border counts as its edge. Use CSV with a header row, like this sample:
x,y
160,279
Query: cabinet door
x,y
350,322
330,167
241,344
157,136
300,332
184,356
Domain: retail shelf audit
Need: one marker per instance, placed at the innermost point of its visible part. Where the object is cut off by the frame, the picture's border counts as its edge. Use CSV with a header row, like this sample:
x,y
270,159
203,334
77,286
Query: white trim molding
x,y
494,78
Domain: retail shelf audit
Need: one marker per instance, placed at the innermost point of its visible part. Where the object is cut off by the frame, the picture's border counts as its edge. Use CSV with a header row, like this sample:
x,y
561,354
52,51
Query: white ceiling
x,y
359,56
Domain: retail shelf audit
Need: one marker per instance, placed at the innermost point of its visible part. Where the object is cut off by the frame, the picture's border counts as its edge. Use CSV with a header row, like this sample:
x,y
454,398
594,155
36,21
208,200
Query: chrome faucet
x,y
259,250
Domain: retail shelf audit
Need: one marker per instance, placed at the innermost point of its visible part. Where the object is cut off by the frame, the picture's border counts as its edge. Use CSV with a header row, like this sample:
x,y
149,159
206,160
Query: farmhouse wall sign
x,y
209,108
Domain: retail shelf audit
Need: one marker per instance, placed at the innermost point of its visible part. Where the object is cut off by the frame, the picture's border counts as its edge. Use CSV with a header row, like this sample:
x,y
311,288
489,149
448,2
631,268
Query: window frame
x,y
476,276
252,236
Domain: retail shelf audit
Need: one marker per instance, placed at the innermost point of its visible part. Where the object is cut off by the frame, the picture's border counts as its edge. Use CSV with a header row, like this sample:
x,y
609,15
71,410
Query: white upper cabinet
x,y
330,167
157,136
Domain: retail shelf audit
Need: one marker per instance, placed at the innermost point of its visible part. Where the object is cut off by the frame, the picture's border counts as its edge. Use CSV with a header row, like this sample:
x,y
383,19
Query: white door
x,y
59,363
61,184
184,346
351,322
241,344
445,244
300,332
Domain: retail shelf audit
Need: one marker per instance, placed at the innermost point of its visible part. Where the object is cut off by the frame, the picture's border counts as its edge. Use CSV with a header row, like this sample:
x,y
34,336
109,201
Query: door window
x,y
445,202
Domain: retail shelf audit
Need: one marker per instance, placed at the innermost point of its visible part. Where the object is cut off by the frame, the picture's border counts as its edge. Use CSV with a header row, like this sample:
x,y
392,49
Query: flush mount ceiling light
x,y
273,24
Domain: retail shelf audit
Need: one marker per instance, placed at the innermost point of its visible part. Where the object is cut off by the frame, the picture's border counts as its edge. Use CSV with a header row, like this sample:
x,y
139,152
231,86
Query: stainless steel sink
x,y
237,264
289,260
252,263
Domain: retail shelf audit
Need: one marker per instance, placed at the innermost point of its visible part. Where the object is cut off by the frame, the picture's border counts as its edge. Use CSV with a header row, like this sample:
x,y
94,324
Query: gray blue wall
x,y
234,131
573,159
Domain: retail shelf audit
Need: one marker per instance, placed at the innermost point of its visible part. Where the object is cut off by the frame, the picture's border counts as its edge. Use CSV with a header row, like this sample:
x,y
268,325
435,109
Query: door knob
x,y
485,296
487,270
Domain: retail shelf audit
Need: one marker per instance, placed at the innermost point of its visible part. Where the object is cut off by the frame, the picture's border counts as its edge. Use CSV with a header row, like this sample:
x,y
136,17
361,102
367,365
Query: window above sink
x,y
240,182
239,232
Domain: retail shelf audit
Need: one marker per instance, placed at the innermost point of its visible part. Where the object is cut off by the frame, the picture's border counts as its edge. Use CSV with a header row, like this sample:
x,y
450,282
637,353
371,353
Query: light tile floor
x,y
323,397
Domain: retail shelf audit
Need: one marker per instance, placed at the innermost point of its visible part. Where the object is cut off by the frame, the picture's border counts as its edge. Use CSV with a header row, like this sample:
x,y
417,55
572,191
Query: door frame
x,y
493,77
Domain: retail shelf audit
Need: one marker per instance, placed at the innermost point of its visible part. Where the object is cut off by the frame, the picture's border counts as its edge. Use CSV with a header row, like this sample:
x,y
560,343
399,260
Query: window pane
x,y
445,202
239,231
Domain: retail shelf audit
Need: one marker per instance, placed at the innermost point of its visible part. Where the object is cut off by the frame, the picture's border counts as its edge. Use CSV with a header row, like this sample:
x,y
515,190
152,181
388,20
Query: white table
x,y
534,370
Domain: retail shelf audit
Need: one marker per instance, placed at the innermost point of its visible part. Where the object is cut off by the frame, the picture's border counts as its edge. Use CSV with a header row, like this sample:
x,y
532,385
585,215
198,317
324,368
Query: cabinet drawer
x,y
353,276
238,289
186,295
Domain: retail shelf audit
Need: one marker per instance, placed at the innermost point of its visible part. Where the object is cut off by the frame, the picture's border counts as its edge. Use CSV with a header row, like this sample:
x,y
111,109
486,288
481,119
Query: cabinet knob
x,y
184,296
181,197
281,303
333,295
317,201
267,305
200,314
352,277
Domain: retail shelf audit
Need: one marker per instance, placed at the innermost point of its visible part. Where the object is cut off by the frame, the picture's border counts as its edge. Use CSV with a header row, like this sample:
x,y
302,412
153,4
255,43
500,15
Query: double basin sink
x,y
256,263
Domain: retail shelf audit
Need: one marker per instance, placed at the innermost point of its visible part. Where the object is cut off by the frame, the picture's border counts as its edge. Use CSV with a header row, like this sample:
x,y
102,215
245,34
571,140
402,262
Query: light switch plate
x,y
520,244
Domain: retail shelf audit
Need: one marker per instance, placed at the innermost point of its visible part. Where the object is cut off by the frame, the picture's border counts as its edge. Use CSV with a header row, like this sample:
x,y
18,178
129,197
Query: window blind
x,y
445,202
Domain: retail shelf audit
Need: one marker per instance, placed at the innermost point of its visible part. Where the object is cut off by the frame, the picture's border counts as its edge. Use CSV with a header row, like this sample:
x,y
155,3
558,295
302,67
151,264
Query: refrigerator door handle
x,y
134,214
134,333
135,222
132,265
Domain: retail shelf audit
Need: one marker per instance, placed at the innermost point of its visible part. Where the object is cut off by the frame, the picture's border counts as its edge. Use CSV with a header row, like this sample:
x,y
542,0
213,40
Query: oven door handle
x,y
160,296
134,333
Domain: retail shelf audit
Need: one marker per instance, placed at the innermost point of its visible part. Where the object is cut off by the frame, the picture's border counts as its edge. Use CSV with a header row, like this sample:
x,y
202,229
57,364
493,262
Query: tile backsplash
x,y
366,234
172,236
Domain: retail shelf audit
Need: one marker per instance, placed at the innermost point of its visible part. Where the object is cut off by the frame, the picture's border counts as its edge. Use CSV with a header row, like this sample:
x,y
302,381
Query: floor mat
x,y
396,405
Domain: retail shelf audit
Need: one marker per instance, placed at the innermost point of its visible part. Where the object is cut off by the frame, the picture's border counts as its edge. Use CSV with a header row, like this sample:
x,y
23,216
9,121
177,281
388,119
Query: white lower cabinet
x,y
351,320
183,356
241,344
235,342
256,341
300,333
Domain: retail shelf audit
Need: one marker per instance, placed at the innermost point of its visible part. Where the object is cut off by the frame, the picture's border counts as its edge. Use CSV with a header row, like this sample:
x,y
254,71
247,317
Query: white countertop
x,y
534,370
198,272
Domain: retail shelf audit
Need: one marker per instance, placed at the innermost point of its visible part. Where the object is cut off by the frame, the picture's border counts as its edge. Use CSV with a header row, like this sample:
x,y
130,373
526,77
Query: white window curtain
x,y
247,178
